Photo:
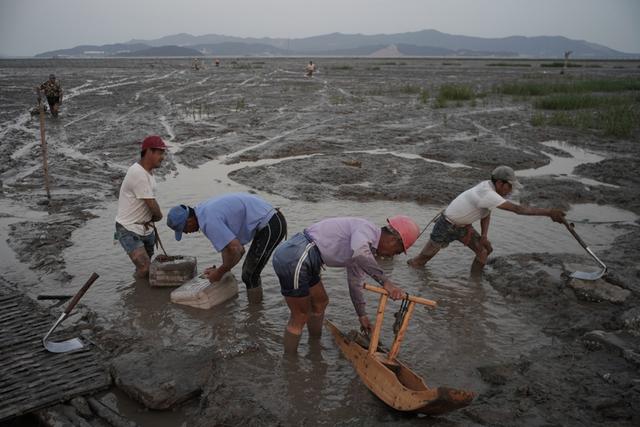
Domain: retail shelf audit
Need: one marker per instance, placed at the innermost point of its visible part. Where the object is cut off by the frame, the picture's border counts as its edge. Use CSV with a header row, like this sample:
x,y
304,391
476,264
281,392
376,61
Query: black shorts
x,y
53,100
263,244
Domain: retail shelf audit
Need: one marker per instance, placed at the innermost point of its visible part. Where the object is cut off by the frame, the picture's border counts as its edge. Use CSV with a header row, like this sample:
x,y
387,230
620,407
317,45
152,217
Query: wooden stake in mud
x,y
43,142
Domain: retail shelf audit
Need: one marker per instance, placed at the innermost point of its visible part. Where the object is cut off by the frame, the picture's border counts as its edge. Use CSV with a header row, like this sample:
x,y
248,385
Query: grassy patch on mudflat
x,y
619,121
528,88
574,101
508,64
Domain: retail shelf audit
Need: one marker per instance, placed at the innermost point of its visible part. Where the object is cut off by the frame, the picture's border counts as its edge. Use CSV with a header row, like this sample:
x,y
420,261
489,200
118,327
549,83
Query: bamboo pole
x,y
373,342
418,300
43,142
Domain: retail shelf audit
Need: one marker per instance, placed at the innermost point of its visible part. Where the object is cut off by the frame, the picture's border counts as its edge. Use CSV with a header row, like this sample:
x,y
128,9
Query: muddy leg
x,y
482,251
428,252
254,295
300,308
141,260
319,302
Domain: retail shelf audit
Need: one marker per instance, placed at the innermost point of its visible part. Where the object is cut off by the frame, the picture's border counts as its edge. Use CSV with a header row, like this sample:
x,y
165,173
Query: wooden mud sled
x,y
388,378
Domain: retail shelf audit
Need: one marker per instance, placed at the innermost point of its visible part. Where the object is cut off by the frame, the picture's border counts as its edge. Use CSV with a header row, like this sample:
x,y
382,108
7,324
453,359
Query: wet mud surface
x,y
350,141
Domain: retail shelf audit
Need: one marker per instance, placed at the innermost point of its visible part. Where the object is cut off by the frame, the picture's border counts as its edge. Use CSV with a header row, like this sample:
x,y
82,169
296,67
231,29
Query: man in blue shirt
x,y
231,221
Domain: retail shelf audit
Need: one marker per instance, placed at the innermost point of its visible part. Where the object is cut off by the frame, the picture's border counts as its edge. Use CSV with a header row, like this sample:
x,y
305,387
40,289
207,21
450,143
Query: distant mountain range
x,y
419,43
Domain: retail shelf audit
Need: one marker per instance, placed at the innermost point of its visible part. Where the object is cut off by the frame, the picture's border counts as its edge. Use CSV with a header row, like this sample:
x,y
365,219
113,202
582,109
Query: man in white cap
x,y
472,205
138,208
336,242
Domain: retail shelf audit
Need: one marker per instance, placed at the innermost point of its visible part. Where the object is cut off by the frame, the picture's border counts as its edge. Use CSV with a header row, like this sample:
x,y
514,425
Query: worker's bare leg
x,y
482,252
300,308
428,252
141,260
319,302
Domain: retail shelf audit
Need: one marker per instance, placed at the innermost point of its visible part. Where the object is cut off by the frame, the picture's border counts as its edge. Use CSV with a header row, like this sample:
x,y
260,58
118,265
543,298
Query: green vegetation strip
x,y
576,86
572,101
618,121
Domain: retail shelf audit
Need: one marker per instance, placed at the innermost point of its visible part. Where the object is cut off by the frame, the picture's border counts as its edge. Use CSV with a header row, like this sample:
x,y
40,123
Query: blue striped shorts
x,y
297,262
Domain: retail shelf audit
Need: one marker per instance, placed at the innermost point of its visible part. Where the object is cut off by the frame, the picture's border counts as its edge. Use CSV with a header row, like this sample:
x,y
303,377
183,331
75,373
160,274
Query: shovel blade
x,y
62,346
583,275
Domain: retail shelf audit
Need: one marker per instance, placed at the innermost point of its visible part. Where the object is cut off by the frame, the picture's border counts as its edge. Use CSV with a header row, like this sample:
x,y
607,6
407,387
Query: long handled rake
x,y
583,274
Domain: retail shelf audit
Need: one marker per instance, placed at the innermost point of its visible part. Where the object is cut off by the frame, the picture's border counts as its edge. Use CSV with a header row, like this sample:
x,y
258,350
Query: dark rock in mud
x,y
221,404
538,284
560,386
619,343
501,374
631,320
161,378
599,290
81,405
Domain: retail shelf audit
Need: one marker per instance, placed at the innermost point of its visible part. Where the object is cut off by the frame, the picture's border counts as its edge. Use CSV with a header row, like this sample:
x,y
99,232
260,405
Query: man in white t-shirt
x,y
470,206
137,206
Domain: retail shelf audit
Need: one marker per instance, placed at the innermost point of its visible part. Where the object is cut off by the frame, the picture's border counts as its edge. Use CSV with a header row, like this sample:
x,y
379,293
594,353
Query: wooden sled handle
x,y
418,300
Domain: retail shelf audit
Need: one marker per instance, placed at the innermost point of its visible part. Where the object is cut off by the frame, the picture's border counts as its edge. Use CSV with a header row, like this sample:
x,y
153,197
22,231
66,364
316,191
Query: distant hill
x,y
93,50
237,48
417,43
163,51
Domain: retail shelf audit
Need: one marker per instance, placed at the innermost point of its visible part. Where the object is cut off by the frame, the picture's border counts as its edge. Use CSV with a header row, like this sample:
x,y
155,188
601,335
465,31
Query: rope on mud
x,y
158,241
430,222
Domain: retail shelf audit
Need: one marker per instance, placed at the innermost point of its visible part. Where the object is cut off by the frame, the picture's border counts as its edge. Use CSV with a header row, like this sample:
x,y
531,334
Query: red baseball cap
x,y
153,141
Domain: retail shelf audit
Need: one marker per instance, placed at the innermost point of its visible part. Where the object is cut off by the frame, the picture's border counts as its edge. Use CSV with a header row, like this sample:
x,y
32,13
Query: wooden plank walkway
x,y
32,378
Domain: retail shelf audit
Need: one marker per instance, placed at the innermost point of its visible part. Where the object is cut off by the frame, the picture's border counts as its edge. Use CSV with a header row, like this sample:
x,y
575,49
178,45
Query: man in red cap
x,y
137,206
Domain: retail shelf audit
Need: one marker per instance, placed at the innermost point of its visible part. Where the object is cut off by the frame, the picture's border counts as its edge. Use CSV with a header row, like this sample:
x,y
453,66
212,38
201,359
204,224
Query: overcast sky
x,y
28,27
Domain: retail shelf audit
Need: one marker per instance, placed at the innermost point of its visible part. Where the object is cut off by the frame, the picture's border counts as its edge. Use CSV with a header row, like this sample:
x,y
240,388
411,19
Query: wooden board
x,y
31,378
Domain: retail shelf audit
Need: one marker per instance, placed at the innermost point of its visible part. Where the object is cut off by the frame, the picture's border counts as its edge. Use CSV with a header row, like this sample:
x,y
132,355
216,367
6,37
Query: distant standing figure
x,y
311,68
231,221
137,206
217,62
53,91
566,61
470,206
195,64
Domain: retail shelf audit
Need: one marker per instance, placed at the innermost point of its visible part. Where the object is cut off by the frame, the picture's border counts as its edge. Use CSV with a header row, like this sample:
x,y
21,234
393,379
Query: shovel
x,y
73,343
583,274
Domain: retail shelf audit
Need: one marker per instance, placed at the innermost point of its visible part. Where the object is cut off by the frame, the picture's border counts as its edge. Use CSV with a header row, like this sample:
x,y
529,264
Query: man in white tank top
x,y
470,206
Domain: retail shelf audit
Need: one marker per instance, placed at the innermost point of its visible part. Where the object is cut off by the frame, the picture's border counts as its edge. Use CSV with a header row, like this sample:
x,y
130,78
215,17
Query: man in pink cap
x,y
346,242
137,206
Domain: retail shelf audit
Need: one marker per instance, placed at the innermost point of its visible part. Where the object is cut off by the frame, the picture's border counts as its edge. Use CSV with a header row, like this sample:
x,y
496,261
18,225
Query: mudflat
x,y
362,137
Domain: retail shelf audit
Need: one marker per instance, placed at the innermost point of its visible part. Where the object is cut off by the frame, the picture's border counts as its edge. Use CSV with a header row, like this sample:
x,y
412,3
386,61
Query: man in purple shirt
x,y
336,242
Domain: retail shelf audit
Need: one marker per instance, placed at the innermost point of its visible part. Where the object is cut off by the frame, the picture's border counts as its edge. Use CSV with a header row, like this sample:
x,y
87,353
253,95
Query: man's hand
x,y
366,325
557,215
484,241
394,292
213,274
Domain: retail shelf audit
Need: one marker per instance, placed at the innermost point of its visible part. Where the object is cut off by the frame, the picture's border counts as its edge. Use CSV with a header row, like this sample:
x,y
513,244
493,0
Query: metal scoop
x,y
584,275
73,343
